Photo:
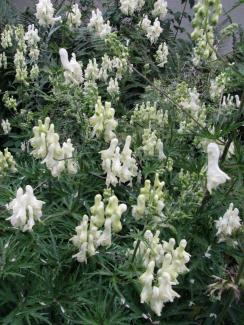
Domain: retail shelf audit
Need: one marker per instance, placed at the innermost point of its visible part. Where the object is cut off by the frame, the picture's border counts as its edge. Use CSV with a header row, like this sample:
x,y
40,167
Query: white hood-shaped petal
x,y
215,176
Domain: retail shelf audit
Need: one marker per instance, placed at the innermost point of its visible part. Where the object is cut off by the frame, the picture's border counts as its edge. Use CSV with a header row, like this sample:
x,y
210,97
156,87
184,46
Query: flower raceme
x,y
72,69
45,13
7,163
228,224
160,9
128,7
47,147
103,121
162,55
163,263
152,30
215,176
119,167
150,201
26,209
89,235
98,25
74,17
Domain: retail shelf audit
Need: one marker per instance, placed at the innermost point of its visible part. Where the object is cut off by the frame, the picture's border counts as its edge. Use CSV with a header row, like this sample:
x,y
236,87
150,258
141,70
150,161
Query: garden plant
x,y
121,163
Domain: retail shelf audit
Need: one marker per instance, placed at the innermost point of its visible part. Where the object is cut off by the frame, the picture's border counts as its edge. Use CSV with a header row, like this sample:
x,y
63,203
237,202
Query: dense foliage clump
x,y
121,165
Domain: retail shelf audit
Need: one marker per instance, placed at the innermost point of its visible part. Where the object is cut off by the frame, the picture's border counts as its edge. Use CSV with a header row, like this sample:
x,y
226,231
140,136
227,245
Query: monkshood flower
x,y
163,264
7,163
215,176
152,30
128,7
31,36
72,69
89,235
6,126
151,145
45,13
98,25
113,87
103,121
7,37
26,209
150,202
162,55
119,167
74,17
3,61
160,9
228,224
47,147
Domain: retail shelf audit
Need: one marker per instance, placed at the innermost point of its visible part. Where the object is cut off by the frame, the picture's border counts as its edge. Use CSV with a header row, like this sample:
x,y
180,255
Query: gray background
x,y
237,15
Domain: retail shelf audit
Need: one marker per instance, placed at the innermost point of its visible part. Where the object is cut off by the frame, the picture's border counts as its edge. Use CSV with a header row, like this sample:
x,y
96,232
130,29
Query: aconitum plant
x,y
121,164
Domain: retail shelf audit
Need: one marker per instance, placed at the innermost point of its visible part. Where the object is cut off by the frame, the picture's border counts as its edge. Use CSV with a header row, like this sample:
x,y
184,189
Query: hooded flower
x,y
215,176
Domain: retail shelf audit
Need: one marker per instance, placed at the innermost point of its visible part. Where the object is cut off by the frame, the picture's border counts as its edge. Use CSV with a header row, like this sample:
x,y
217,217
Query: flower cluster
x,y
217,86
45,13
128,7
7,163
26,209
19,57
163,264
89,235
228,224
207,14
152,30
72,69
189,100
215,176
9,101
151,145
103,121
6,126
74,17
150,202
160,9
119,167
148,115
3,61
7,37
47,147
98,25
162,55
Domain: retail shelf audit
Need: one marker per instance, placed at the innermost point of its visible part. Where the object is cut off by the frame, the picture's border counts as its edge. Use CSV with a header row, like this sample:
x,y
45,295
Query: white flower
x,y
92,71
73,72
47,147
98,25
74,17
89,236
7,162
152,31
192,103
113,87
227,224
45,12
3,61
6,126
162,55
26,209
31,36
215,176
119,167
128,7
163,263
103,121
160,9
